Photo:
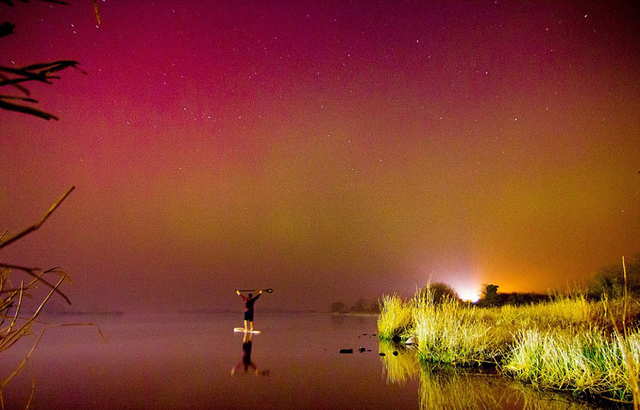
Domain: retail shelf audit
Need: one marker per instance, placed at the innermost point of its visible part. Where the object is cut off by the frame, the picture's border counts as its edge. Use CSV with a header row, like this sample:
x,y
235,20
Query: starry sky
x,y
330,150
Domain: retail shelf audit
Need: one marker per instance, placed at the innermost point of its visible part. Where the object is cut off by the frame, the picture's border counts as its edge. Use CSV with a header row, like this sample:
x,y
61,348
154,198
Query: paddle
x,y
254,290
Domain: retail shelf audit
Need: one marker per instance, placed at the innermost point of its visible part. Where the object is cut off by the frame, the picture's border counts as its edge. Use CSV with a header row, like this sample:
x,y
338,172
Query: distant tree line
x,y
439,292
607,282
362,305
490,297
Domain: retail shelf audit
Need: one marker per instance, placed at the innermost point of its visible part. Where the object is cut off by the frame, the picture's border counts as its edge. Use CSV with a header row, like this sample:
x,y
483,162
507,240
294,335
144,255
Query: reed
x,y
15,323
561,312
396,317
585,362
452,334
626,343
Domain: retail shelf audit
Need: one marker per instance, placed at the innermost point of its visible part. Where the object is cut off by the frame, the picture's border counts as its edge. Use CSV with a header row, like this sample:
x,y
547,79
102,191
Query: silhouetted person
x,y
248,308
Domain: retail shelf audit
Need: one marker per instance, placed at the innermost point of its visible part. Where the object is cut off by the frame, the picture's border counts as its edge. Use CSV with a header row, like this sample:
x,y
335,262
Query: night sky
x,y
330,150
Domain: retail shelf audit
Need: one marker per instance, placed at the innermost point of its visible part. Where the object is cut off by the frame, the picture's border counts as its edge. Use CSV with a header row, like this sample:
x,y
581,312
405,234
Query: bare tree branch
x,y
26,110
14,84
11,97
52,67
10,3
40,72
35,72
6,28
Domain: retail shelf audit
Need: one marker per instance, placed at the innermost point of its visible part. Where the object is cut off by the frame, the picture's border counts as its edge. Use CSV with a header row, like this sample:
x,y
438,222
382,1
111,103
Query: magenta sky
x,y
330,150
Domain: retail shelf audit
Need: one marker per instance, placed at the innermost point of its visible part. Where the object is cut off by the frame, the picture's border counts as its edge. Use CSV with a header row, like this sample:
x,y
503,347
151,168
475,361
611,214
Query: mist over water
x,y
196,361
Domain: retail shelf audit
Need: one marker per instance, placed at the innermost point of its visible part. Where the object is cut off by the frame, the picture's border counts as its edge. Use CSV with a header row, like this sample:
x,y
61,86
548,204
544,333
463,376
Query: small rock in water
x,y
395,353
346,350
381,354
362,349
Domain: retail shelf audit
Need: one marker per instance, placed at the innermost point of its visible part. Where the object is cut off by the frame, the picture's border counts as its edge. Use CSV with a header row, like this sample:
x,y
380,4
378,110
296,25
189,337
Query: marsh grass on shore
x,y
396,317
568,343
587,362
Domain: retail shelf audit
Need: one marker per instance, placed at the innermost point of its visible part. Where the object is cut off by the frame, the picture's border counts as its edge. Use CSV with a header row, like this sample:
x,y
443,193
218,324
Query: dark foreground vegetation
x,y
19,283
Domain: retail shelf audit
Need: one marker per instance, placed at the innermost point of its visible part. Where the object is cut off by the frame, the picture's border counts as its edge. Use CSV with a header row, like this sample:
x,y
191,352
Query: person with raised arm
x,y
248,309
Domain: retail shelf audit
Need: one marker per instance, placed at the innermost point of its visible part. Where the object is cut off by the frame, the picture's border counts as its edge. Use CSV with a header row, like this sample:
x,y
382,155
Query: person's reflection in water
x,y
246,364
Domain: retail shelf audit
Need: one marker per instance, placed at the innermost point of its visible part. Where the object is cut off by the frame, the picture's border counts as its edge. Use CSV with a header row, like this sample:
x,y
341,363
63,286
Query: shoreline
x,y
553,345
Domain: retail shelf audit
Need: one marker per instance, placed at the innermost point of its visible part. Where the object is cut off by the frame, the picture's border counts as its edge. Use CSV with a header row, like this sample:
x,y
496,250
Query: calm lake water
x,y
196,362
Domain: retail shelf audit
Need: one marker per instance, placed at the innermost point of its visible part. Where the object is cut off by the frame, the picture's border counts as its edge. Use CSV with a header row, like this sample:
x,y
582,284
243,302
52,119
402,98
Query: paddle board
x,y
241,329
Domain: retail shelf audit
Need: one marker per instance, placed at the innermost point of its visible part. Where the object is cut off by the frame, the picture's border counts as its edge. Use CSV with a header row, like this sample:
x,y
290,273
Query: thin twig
x,y
37,224
623,343
84,324
13,97
631,360
32,272
16,335
24,361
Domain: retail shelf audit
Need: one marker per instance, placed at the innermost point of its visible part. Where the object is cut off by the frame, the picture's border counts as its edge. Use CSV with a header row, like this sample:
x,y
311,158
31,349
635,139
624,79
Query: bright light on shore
x,y
468,294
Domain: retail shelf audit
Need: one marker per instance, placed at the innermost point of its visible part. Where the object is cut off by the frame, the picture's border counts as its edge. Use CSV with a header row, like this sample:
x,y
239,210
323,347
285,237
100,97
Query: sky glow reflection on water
x,y
186,362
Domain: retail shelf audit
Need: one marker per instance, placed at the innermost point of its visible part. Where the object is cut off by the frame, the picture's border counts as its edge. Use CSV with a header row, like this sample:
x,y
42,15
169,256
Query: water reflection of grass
x,y
400,367
449,387
566,344
456,389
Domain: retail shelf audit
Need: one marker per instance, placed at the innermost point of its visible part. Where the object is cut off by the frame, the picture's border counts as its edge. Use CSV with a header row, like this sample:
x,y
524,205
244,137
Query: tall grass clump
x,y
451,333
586,362
575,311
396,317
